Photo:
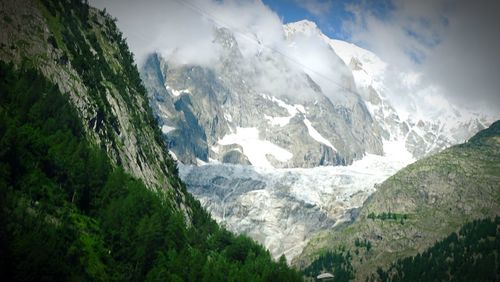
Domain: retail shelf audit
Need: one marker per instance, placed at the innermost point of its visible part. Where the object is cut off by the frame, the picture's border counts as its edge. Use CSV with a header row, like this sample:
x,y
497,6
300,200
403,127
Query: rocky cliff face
x,y
422,203
108,96
424,132
285,121
226,113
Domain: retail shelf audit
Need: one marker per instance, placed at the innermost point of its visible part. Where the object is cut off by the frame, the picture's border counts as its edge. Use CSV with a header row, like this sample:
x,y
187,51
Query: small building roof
x,y
325,275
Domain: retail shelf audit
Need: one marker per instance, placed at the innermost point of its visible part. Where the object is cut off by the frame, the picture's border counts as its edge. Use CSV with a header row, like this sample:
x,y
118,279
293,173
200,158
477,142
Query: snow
x,y
291,109
304,27
315,185
372,67
254,148
164,112
166,129
174,156
200,162
278,121
177,92
228,117
215,149
316,135
277,213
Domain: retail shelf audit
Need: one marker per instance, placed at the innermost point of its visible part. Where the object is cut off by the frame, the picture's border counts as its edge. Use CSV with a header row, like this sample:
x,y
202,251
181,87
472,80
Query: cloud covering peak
x,y
184,30
443,47
453,44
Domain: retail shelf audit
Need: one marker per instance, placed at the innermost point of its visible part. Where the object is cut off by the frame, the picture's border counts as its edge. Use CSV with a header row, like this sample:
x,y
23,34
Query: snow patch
x,y
254,148
371,69
316,135
175,92
291,109
278,121
173,155
200,162
166,129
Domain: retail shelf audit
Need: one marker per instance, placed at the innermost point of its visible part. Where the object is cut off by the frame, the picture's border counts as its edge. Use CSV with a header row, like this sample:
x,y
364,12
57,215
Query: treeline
x,y
358,243
66,213
337,263
388,216
472,254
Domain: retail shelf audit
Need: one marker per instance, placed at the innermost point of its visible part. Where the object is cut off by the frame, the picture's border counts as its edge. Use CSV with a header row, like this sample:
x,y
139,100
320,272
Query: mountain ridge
x,y
88,190
421,204
345,132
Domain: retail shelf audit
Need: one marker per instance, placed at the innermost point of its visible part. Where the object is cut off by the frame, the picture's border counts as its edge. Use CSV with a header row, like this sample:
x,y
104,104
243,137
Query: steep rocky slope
x,y
91,62
426,123
260,110
88,191
271,128
419,205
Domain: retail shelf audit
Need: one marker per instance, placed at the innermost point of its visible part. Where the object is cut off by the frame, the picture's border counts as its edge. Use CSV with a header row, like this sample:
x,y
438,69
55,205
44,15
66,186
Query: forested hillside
x,y
472,254
419,206
75,204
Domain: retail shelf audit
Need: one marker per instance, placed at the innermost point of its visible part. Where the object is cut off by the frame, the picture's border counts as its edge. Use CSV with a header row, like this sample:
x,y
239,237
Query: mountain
x,y
421,204
280,151
470,254
246,116
256,110
88,191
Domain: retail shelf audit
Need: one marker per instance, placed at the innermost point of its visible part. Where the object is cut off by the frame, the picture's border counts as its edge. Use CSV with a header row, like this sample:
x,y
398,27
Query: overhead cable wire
x,y
221,24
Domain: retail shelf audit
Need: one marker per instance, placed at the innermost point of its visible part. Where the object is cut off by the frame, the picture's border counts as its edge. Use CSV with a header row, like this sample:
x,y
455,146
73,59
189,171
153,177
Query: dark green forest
x,y
472,254
337,263
68,214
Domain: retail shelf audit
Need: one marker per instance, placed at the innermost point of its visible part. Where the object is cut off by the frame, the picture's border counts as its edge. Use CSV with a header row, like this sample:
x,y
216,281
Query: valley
x,y
195,140
283,164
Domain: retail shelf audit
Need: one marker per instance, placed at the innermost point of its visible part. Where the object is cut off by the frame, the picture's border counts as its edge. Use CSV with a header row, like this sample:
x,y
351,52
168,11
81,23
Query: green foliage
x,y
337,262
388,216
68,214
101,57
363,244
470,255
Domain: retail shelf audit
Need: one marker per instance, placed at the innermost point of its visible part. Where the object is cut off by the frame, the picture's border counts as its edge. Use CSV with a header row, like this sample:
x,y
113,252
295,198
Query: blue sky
x,y
329,15
452,44
329,20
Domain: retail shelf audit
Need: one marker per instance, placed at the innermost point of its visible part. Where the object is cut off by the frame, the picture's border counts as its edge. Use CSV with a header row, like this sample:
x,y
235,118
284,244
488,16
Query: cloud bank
x,y
452,45
184,29
183,33
435,47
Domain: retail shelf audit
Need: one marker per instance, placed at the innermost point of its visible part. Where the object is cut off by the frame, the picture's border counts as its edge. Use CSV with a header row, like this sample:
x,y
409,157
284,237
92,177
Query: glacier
x,y
283,208
316,152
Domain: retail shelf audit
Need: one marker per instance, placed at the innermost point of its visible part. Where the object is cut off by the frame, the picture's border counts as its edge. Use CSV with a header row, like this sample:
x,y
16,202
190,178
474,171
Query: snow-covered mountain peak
x,y
274,151
305,27
367,68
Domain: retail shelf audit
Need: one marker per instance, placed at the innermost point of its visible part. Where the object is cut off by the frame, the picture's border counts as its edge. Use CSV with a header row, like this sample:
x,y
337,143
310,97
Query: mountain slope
x,y
87,188
257,109
256,131
89,59
425,123
421,204
472,254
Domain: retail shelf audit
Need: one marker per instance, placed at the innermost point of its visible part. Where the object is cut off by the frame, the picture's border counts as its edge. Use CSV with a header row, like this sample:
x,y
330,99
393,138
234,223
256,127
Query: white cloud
x,y
185,28
316,7
183,32
453,45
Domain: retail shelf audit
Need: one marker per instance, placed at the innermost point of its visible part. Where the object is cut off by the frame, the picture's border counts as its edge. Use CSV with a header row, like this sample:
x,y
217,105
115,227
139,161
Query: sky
x,y
328,15
449,47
